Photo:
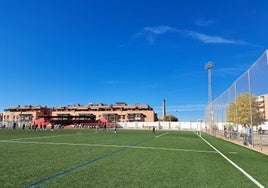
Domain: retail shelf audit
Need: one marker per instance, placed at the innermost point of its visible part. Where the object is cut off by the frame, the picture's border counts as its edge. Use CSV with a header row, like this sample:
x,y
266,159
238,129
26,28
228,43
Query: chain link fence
x,y
241,112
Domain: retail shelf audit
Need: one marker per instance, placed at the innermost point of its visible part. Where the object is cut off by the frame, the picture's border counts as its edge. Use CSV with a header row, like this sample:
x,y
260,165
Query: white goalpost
x,y
198,129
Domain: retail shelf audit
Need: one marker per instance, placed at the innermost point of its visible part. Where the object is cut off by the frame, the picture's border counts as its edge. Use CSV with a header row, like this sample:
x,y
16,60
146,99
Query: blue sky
x,y
57,52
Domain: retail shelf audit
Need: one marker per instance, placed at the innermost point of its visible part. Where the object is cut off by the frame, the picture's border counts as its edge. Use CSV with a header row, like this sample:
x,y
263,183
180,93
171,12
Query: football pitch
x,y
130,158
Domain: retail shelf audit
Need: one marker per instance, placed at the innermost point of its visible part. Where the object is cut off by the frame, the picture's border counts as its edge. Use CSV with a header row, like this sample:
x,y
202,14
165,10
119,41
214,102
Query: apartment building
x,y
263,105
119,112
24,114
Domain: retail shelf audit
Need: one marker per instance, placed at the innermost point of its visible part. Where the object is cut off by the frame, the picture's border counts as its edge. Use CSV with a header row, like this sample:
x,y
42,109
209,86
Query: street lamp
x,y
209,66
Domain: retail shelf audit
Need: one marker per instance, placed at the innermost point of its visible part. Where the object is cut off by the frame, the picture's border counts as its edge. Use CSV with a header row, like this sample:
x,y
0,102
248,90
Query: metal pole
x,y
236,112
222,113
250,108
250,105
200,128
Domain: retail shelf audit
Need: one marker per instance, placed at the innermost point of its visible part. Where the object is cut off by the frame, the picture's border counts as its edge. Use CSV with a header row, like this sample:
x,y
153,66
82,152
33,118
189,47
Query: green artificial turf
x,y
131,158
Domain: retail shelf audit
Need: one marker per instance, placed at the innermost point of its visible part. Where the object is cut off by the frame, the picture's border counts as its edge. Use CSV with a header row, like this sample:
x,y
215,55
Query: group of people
x,y
231,132
247,135
33,126
36,127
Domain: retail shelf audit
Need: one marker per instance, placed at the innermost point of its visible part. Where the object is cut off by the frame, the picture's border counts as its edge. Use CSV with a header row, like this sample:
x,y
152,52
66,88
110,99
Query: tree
x,y
239,111
155,117
170,118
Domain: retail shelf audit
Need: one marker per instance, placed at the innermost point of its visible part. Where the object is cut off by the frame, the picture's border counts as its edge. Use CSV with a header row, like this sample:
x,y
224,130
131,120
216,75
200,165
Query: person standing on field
x,y
115,129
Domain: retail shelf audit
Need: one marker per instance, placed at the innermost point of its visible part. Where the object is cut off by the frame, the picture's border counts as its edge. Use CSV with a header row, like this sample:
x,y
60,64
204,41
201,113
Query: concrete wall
x,y
163,125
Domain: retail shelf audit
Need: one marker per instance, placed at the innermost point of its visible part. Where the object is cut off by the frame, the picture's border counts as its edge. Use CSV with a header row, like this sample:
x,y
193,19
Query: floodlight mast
x,y
209,66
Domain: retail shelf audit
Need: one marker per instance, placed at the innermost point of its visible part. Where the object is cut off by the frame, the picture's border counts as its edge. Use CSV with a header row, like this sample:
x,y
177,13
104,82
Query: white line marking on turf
x,y
161,135
103,145
37,137
235,165
233,152
175,149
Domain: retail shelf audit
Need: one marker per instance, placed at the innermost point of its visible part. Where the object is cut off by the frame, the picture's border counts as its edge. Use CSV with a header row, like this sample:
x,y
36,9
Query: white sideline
x,y
37,137
103,145
235,165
